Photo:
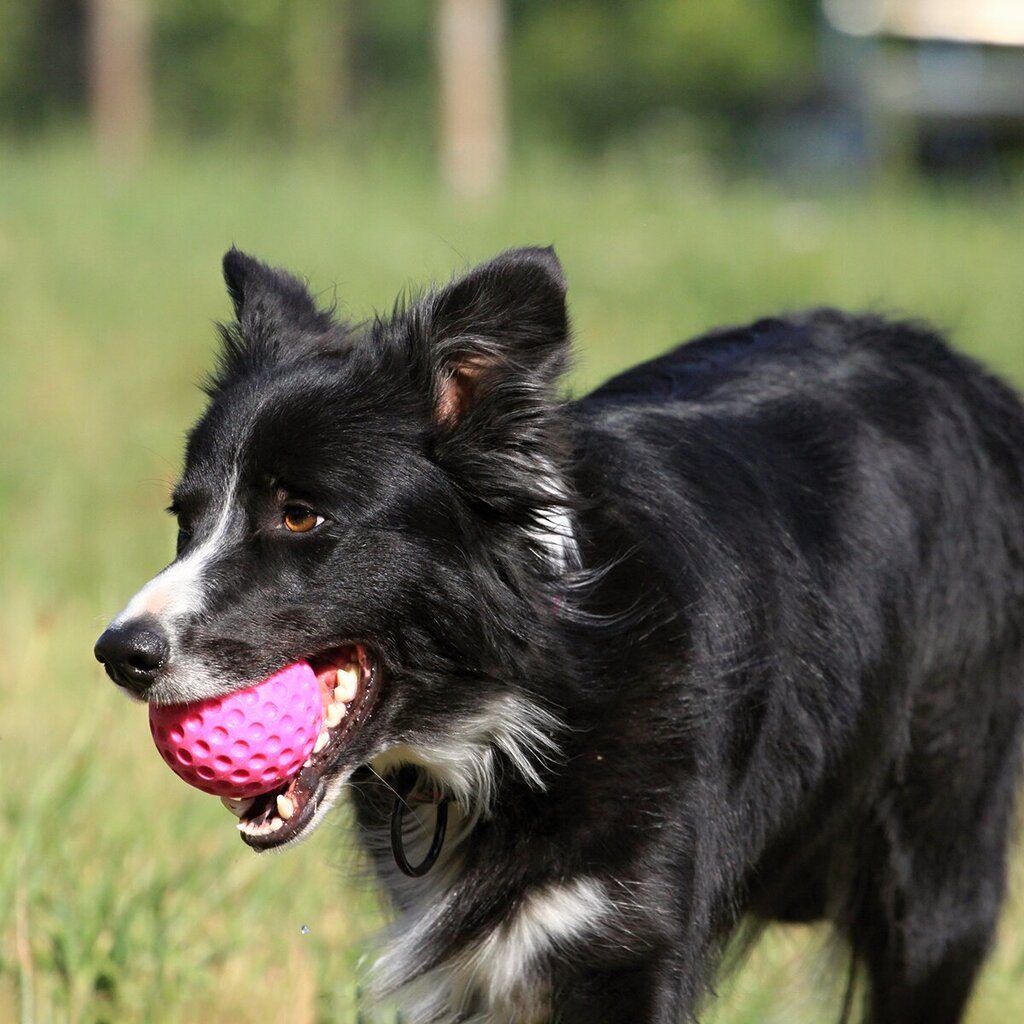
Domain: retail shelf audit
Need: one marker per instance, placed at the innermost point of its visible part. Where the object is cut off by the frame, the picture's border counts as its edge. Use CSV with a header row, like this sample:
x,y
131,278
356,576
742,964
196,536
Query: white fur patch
x,y
176,594
554,533
463,759
178,591
548,919
500,970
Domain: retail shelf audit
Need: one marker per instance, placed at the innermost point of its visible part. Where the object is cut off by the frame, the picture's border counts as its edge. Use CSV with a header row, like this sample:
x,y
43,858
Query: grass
x,y
124,896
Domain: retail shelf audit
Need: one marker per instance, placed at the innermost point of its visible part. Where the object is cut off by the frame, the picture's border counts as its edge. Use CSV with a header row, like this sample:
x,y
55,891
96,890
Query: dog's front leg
x,y
653,991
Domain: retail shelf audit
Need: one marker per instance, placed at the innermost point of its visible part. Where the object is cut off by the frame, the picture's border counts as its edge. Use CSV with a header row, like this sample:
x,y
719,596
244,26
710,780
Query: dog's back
x,y
823,517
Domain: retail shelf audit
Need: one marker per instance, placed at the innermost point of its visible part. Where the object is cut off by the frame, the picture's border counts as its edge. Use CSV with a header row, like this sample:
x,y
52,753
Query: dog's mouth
x,y
349,682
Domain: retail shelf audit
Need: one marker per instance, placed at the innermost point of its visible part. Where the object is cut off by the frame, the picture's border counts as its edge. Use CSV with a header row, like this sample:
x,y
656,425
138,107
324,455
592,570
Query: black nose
x,y
133,654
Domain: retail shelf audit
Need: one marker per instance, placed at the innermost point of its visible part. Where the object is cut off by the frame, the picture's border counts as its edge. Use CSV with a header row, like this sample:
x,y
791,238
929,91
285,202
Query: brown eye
x,y
300,519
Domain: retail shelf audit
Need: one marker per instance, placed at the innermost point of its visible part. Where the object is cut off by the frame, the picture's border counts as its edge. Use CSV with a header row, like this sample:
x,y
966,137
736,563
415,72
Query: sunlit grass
x,y
124,896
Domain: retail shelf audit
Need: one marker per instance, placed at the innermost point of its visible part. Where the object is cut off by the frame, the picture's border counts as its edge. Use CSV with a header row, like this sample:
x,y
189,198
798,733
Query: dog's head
x,y
384,500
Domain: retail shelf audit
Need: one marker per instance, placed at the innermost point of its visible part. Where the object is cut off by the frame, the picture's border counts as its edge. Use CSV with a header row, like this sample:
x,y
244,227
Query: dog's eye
x,y
300,519
184,534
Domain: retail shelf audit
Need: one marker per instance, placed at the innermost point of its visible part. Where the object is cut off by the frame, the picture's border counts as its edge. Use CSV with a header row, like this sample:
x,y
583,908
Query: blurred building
x,y
940,81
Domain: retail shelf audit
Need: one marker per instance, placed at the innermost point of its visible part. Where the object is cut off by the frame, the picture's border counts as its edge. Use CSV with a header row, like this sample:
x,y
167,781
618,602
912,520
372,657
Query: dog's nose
x,y
133,654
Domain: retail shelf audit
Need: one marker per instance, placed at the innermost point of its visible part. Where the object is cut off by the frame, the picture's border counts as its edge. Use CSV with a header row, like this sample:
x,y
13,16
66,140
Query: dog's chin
x,y
294,809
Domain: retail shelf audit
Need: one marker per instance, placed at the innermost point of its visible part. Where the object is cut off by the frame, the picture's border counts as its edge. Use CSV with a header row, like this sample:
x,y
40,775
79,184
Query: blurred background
x,y
693,163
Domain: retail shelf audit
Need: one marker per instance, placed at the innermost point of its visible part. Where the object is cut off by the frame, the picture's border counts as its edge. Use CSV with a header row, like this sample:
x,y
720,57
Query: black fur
x,y
781,653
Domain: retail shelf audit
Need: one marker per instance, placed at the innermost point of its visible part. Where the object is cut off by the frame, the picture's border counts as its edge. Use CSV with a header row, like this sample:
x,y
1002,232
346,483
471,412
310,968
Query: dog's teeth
x,y
335,713
285,806
253,828
237,806
321,741
346,684
275,824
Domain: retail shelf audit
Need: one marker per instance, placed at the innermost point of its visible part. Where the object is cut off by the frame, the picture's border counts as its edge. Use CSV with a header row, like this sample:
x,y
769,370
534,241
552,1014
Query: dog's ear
x,y
276,321
265,297
503,328
485,355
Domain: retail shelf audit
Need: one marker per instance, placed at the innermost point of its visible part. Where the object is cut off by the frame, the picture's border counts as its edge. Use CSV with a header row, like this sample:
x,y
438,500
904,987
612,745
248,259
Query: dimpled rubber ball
x,y
244,743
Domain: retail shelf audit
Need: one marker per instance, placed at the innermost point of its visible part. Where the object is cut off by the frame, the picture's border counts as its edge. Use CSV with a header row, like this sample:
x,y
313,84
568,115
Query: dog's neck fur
x,y
437,958
448,956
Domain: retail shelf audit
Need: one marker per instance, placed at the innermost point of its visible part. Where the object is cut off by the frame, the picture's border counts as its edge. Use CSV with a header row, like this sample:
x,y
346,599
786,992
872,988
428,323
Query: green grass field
x,y
125,896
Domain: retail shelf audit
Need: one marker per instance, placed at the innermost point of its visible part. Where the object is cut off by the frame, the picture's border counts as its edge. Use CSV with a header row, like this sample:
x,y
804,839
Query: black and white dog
x,y
737,637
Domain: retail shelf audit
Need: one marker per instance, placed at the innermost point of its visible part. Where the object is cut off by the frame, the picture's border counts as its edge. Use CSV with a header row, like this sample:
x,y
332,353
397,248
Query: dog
x,y
736,638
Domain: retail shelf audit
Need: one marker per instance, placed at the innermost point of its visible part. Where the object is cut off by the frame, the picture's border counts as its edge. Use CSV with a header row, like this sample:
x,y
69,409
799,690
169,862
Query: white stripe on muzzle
x,y
178,591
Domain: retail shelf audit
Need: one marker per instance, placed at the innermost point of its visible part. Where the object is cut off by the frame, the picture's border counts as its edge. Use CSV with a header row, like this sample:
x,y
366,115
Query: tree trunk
x,y
470,36
321,101
120,97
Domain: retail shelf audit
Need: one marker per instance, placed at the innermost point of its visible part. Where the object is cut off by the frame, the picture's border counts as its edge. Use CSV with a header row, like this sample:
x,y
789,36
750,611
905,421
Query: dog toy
x,y
247,742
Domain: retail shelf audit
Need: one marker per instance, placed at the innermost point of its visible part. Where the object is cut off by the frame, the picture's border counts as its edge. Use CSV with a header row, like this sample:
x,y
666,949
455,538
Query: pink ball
x,y
244,743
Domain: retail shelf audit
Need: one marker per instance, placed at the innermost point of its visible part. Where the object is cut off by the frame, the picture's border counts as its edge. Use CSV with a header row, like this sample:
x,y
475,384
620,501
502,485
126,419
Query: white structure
x,y
992,22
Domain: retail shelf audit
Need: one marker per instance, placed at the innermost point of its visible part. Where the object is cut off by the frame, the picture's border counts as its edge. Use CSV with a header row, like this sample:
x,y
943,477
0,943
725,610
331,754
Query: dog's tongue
x,y
247,742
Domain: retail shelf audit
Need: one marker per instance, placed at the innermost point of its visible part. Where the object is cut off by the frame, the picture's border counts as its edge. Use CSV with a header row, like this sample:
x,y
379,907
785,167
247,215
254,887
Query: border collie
x,y
738,637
